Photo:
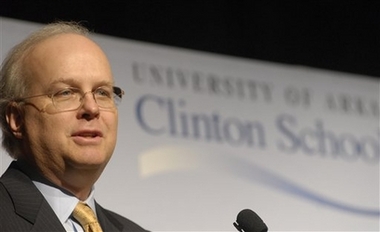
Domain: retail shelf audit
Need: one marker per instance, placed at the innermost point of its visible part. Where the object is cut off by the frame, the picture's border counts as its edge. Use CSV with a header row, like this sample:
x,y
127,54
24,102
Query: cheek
x,y
41,127
33,124
111,122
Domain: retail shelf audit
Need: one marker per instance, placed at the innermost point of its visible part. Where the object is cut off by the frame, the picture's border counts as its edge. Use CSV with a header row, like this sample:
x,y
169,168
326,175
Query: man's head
x,y
14,81
55,67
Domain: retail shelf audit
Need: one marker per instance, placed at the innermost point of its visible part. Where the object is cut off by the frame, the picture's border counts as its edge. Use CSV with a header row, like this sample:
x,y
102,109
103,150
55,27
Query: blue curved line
x,y
253,172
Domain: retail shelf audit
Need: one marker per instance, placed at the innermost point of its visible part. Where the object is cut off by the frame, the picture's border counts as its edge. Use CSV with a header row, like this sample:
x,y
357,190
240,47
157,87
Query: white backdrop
x,y
203,136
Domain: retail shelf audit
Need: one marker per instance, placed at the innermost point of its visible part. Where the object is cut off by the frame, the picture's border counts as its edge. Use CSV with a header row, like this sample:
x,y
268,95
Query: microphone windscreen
x,y
249,221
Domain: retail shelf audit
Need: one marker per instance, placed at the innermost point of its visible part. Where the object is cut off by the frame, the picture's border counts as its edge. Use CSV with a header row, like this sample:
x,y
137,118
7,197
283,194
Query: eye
x,y
65,93
103,92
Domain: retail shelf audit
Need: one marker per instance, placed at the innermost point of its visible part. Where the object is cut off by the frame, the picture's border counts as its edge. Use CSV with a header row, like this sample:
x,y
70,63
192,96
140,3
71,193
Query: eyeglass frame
x,y
117,94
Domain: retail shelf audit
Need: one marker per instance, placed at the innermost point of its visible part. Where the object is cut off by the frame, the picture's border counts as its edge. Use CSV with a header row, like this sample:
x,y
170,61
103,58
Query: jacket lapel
x,y
29,202
107,222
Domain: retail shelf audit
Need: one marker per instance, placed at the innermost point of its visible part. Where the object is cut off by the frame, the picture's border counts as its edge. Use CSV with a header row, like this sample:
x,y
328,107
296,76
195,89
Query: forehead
x,y
67,56
66,40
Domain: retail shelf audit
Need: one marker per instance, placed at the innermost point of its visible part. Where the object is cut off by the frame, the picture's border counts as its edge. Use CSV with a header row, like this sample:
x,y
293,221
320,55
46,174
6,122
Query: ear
x,y
14,118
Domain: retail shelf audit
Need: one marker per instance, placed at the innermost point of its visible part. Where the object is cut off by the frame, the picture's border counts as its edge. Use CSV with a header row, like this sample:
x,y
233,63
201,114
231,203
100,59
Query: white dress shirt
x,y
63,205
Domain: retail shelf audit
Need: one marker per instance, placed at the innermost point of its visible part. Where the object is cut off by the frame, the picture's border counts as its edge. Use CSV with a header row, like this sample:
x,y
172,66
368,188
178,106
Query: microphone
x,y
249,221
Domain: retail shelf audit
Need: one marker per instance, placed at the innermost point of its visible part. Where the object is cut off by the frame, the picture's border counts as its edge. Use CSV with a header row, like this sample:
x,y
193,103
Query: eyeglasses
x,y
70,98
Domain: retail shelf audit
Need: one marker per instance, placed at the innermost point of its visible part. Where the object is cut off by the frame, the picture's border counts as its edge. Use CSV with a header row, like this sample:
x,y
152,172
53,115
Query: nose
x,y
89,108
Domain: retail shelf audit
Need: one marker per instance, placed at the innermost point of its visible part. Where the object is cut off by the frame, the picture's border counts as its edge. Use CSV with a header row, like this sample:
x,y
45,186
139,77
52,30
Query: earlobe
x,y
15,119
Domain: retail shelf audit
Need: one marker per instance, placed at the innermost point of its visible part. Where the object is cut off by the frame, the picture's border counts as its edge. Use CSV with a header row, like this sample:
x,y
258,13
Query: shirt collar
x,y
60,200
62,203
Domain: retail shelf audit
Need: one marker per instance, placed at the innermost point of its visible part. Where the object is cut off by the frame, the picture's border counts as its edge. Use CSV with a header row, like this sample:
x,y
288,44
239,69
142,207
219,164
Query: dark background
x,y
335,35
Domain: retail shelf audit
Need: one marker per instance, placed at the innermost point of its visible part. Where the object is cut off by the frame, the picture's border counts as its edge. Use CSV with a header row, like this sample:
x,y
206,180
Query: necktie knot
x,y
86,217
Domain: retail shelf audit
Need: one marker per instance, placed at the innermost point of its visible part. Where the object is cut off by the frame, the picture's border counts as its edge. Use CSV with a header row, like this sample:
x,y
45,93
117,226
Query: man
x,y
59,123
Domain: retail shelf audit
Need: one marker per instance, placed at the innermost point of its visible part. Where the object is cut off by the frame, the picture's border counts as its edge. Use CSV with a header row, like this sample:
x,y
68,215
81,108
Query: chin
x,y
90,161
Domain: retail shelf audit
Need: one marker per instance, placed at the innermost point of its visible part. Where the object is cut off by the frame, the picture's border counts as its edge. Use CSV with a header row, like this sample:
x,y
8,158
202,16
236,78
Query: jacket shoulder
x,y
9,220
119,221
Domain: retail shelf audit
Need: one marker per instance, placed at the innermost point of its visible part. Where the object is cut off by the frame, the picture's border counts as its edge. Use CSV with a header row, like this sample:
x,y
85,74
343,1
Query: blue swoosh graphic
x,y
156,162
253,172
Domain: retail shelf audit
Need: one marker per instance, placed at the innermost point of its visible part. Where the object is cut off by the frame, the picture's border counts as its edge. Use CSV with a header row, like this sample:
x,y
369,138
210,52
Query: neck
x,y
74,181
78,182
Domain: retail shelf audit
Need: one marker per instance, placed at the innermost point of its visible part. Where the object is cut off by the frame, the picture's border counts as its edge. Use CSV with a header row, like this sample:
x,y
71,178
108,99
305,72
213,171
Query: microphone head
x,y
249,221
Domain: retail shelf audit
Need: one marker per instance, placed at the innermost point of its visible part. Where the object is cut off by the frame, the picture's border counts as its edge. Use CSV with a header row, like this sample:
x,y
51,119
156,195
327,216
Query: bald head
x,y
65,56
13,80
64,130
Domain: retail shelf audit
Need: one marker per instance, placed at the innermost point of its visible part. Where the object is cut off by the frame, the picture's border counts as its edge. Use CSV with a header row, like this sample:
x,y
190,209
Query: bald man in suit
x,y
59,123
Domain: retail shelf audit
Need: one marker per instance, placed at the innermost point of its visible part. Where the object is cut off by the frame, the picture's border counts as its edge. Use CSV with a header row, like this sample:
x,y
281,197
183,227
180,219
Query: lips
x,y
88,134
87,137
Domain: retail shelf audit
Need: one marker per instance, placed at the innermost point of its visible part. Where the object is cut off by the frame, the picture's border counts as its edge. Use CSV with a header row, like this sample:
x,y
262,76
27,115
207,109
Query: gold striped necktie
x,y
86,217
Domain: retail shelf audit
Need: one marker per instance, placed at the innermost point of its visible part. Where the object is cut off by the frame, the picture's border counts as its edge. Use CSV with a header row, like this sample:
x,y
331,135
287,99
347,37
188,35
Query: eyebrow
x,y
73,81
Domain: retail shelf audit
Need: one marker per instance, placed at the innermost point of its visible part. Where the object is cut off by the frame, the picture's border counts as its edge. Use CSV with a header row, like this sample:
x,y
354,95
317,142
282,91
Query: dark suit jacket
x,y
23,208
